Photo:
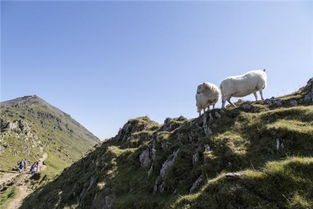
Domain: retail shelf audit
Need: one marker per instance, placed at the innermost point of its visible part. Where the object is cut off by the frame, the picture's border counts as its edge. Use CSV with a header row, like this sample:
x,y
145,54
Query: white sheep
x,y
243,85
207,94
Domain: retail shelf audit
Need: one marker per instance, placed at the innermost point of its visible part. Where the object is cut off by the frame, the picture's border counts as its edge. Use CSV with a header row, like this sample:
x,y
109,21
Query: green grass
x,y
280,184
52,131
241,141
6,196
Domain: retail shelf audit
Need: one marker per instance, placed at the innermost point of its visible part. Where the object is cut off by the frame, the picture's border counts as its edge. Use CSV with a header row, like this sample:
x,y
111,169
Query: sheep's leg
x,y
199,111
261,93
228,100
213,106
223,102
256,96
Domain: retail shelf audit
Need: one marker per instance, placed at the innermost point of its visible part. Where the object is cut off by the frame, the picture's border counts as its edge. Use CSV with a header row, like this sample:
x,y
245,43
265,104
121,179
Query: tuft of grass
x,y
6,196
241,142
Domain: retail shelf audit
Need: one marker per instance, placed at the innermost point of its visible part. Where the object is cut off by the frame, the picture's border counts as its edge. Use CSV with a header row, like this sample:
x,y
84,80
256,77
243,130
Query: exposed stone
x,y
246,106
273,102
210,117
207,131
217,115
279,144
195,158
207,148
309,97
1,149
293,103
196,184
108,202
13,125
150,171
168,164
233,175
153,153
171,124
134,125
144,158
277,102
159,184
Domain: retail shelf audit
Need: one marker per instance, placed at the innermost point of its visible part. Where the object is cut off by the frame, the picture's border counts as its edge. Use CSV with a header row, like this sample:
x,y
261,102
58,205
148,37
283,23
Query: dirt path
x,y
22,183
22,192
7,177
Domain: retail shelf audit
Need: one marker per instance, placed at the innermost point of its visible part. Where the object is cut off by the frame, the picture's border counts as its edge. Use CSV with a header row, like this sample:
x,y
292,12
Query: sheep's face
x,y
201,88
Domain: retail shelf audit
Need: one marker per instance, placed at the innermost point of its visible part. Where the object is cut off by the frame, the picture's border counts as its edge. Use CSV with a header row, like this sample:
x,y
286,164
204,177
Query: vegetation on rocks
x,y
257,155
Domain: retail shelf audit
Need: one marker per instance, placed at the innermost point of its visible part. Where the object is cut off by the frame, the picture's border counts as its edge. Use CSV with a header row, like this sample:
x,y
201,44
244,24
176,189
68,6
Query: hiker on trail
x,y
25,163
34,168
22,165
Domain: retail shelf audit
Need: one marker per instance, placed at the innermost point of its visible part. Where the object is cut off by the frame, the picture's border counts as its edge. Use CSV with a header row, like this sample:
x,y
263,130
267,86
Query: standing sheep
x,y
207,94
243,85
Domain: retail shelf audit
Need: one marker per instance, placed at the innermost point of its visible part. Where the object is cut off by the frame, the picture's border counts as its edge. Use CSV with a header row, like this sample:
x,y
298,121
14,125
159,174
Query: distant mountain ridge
x,y
36,100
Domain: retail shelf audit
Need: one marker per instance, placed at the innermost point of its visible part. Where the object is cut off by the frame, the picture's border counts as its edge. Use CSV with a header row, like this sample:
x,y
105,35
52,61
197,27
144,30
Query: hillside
x,y
35,130
258,155
31,126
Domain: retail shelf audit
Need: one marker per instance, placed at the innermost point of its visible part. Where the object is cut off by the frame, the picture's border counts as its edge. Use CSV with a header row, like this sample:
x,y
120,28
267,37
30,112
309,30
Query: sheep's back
x,y
239,86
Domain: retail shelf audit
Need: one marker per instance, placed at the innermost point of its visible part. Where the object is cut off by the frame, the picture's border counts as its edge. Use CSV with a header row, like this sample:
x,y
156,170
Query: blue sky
x,y
107,62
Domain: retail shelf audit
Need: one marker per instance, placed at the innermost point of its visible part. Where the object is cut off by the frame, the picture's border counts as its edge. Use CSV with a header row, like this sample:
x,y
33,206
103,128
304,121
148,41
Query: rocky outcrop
x,y
181,156
273,102
171,124
308,97
145,158
135,125
159,184
197,183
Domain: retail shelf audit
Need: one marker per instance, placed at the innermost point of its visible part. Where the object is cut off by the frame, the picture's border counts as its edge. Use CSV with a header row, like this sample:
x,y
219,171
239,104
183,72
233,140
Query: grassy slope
x,y
52,130
241,141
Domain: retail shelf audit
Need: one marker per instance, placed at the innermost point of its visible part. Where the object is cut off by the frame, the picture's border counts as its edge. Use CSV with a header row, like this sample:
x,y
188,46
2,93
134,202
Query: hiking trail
x,y
21,181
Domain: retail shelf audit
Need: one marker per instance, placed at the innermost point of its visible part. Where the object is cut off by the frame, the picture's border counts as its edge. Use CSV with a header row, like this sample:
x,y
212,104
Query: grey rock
x,y
108,200
246,106
195,158
150,171
159,184
168,164
273,102
308,97
207,131
144,158
277,102
207,148
217,115
293,103
196,184
268,101
233,175
153,153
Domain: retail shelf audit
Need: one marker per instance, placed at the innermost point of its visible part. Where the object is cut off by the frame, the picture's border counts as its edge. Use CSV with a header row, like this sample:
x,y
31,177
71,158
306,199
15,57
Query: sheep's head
x,y
201,88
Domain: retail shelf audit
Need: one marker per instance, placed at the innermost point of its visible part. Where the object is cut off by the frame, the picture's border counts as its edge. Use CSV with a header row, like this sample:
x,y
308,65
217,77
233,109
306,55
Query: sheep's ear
x,y
264,70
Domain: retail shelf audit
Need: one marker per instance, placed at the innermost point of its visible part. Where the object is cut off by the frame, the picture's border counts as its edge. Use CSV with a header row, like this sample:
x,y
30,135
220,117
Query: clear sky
x,y
107,62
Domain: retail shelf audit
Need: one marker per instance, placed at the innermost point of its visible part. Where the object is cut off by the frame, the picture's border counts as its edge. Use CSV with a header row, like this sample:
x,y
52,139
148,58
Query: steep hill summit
x,y
31,126
257,155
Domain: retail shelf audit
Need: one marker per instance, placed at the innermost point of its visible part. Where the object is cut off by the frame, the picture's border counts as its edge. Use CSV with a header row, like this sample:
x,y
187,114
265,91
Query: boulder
x,y
196,184
144,158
